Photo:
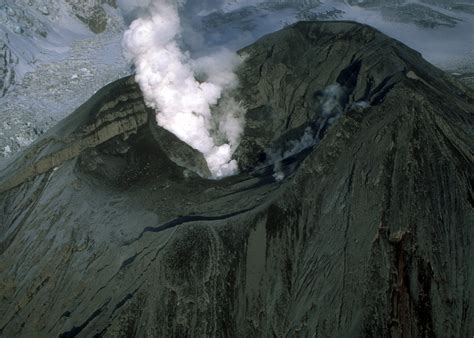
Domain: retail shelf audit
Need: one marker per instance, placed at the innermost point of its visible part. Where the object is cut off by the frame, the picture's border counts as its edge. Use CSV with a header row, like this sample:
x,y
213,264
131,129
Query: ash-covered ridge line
x,y
116,116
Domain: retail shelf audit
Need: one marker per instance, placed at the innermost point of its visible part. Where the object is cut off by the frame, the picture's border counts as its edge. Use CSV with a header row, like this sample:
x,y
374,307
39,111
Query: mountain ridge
x,y
369,232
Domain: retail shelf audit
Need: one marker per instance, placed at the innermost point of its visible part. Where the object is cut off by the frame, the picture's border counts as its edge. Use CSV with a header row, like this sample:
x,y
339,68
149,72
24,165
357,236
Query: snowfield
x,y
52,91
57,64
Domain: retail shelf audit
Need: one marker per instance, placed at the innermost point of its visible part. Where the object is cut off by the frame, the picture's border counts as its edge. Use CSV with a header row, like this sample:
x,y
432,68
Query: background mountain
x,y
365,230
52,58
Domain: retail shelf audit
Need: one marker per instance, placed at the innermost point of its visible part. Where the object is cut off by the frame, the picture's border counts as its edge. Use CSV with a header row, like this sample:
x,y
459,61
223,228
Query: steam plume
x,y
199,112
330,109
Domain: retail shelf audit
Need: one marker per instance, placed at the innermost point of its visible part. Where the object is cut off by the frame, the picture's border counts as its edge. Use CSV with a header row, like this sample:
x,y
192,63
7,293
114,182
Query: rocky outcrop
x,y
420,15
36,18
309,3
426,14
18,18
7,70
92,13
368,232
24,27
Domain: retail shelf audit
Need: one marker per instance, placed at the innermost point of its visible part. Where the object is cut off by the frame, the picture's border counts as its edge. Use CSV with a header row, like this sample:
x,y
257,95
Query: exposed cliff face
x,y
7,70
369,234
92,13
32,17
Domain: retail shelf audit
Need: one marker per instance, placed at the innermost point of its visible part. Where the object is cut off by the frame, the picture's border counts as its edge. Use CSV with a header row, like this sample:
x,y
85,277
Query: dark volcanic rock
x,y
7,71
369,234
92,13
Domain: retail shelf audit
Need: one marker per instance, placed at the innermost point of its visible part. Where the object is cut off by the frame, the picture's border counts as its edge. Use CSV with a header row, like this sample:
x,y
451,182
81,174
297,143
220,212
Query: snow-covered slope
x,y
43,31
51,61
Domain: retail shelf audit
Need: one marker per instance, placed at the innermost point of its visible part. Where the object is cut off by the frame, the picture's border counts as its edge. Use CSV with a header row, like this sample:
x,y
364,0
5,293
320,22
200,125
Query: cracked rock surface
x,y
104,233
7,71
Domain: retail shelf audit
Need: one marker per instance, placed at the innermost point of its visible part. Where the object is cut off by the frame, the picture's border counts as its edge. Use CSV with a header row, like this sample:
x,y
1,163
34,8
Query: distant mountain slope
x,y
36,31
50,63
104,232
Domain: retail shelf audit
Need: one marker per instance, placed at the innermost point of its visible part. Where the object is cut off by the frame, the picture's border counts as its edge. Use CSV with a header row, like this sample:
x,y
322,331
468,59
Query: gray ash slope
x,y
103,232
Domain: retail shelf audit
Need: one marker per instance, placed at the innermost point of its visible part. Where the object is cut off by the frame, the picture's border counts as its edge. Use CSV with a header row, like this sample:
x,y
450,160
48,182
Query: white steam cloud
x,y
190,96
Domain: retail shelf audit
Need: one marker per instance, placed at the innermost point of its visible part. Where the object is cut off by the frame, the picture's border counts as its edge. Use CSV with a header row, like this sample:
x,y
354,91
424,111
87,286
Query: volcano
x,y
109,226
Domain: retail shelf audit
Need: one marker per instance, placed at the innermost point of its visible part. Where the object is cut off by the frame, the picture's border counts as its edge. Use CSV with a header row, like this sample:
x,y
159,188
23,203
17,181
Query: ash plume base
x,y
191,97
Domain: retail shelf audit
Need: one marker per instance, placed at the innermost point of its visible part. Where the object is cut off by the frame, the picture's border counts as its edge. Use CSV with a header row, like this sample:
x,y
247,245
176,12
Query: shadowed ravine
x,y
108,228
